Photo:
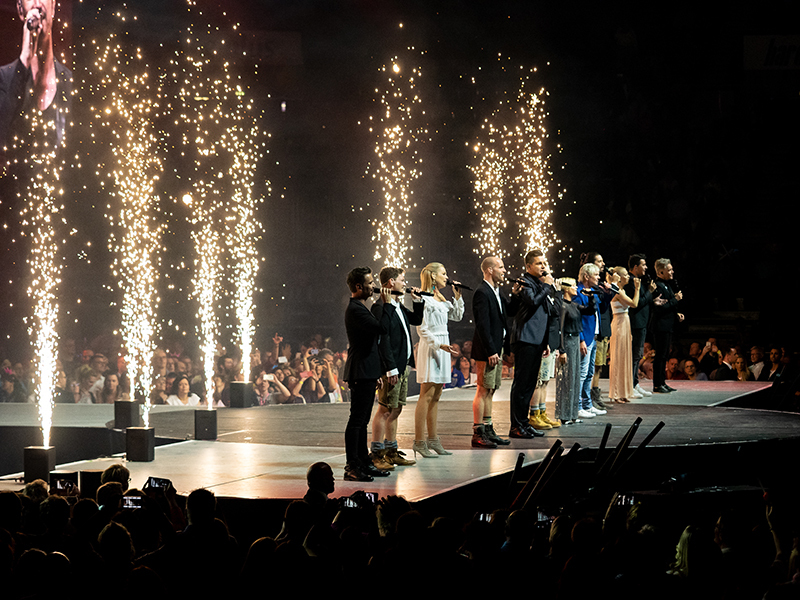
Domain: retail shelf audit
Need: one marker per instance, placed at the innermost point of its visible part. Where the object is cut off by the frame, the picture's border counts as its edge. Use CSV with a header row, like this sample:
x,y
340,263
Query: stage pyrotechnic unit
x,y
41,180
224,140
131,107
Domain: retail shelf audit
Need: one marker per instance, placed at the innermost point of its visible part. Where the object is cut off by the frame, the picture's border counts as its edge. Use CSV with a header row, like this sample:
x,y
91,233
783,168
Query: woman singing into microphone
x,y
433,357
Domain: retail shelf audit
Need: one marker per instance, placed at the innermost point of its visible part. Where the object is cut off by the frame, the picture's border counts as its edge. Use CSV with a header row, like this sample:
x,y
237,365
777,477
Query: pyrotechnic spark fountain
x,y
132,105
399,129
491,187
222,138
512,179
40,218
534,206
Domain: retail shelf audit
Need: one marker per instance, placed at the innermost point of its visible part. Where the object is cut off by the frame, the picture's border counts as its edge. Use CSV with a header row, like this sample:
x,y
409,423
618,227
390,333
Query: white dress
x,y
433,363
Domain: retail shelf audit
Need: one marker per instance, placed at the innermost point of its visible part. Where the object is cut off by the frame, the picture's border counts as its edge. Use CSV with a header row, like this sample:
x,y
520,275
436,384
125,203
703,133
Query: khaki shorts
x,y
394,396
548,369
489,377
601,358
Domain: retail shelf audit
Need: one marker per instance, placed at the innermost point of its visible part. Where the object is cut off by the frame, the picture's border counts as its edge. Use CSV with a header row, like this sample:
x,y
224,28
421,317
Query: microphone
x,y
419,293
520,281
408,291
590,292
458,286
34,22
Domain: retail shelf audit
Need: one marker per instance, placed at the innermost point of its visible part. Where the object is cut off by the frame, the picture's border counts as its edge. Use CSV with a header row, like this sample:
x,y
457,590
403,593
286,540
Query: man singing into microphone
x,y
36,80
397,359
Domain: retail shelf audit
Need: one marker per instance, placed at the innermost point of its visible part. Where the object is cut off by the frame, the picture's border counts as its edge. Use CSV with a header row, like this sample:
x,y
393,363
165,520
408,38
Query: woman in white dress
x,y
620,376
433,357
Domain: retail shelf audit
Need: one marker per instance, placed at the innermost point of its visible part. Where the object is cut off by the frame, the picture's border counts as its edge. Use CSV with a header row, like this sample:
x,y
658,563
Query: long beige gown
x,y
620,373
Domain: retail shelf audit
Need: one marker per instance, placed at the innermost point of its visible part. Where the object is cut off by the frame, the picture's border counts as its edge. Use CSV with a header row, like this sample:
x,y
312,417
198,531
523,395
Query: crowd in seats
x,y
163,547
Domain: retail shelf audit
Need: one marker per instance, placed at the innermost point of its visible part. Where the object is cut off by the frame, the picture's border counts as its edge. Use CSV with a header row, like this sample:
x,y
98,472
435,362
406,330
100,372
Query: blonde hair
x,y
426,276
619,271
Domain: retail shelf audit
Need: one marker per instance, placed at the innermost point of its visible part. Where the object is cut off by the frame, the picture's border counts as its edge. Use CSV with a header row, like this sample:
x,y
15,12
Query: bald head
x,y
494,272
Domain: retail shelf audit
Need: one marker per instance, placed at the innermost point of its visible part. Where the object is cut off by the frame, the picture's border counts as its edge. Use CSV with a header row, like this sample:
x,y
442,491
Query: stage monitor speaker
x,y
127,414
89,481
38,462
205,424
241,394
140,444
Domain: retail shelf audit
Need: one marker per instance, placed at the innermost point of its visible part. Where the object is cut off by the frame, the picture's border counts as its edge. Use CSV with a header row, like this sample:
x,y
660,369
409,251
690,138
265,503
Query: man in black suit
x,y
361,371
397,359
726,371
529,340
664,318
490,311
640,314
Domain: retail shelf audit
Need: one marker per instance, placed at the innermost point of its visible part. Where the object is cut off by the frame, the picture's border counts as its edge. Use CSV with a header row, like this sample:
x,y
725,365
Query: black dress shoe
x,y
662,389
520,433
479,439
354,473
490,434
373,471
671,389
535,432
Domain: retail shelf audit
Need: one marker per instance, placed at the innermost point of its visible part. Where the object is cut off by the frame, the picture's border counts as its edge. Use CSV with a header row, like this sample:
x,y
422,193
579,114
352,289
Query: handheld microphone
x,y
34,22
408,291
520,281
458,286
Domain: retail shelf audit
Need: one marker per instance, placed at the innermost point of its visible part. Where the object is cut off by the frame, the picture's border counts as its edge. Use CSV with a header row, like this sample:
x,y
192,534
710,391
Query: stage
x,y
263,452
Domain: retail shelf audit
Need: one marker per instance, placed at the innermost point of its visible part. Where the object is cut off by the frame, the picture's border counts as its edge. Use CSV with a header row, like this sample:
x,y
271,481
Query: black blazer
x,y
490,321
535,308
393,346
666,315
363,328
639,314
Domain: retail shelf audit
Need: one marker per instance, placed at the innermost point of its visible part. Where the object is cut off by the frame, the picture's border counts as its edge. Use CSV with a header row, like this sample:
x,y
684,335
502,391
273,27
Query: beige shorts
x,y
601,358
547,370
489,377
394,396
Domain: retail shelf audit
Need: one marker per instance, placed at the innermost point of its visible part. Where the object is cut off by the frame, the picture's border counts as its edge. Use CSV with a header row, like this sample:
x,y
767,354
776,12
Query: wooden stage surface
x,y
263,452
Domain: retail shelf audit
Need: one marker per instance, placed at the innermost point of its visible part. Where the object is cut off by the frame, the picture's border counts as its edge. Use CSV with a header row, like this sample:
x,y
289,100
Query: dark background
x,y
671,145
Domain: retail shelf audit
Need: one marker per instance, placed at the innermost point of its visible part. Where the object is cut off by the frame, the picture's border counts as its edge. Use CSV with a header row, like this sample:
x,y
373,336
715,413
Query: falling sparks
x,y
512,180
131,107
398,128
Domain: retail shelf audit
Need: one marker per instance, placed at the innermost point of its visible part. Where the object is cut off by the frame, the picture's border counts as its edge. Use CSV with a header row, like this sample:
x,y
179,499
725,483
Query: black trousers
x,y
362,397
662,342
527,362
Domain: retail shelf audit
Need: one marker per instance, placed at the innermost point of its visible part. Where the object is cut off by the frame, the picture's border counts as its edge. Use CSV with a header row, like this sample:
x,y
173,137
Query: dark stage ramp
x,y
263,452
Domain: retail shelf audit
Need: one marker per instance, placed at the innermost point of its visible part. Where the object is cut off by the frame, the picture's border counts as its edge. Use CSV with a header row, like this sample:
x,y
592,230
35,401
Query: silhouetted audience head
x,y
201,506
36,490
118,473
109,494
320,478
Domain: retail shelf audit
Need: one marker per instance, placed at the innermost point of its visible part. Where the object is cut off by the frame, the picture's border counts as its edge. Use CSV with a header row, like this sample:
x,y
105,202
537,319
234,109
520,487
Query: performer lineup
x,y
552,327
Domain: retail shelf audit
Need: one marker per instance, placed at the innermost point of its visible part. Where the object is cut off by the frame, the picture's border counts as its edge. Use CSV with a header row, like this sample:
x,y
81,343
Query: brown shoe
x,y
395,457
380,462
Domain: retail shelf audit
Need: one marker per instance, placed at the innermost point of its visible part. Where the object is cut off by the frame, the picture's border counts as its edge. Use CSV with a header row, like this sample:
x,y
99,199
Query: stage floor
x,y
263,452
